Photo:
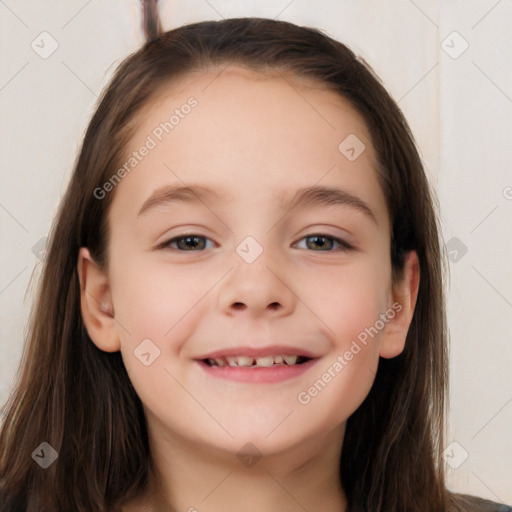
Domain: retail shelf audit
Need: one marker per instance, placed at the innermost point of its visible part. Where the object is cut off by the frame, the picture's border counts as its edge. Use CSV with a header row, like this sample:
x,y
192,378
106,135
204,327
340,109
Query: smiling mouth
x,y
256,362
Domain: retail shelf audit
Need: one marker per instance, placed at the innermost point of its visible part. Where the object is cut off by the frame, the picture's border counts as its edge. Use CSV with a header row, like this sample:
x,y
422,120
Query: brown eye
x,y
325,243
187,243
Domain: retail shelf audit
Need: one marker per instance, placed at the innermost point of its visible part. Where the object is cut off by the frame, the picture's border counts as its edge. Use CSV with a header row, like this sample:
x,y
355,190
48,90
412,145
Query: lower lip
x,y
257,375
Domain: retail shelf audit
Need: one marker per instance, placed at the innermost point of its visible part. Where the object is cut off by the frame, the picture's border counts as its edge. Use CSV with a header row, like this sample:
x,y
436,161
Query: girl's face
x,y
249,264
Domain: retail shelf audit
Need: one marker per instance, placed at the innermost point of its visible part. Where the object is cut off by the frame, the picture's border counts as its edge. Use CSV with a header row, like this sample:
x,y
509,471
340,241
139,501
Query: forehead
x,y
242,105
249,132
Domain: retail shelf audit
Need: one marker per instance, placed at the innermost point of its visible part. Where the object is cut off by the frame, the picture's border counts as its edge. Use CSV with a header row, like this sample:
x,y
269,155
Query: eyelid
x,y
344,244
166,243
332,231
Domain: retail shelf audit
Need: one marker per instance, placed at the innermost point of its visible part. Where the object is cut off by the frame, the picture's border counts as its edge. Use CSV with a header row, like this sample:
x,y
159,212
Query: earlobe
x,y
96,303
405,294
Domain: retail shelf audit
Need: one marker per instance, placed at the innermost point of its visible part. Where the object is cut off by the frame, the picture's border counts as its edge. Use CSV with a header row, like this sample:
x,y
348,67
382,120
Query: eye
x,y
192,243
188,243
325,242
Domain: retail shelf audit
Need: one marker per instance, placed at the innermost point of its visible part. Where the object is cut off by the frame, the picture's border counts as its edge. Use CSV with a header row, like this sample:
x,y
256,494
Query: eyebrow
x,y
329,196
178,193
303,197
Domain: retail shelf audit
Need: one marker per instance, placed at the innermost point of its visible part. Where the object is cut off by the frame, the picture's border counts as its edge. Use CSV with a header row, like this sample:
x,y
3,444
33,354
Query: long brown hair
x,y
80,400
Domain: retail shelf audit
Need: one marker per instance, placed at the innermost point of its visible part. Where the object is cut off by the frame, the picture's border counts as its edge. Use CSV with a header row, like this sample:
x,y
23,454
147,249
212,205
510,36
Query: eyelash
x,y
343,245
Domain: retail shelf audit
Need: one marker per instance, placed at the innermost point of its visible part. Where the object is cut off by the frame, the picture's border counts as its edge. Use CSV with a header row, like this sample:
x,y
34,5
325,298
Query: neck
x,y
187,477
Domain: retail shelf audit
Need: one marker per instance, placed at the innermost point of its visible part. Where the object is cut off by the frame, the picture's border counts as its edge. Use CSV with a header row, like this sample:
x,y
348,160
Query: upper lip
x,y
271,350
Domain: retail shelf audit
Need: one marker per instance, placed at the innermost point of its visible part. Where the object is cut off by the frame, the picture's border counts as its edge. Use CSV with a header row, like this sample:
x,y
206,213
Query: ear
x,y
96,303
405,293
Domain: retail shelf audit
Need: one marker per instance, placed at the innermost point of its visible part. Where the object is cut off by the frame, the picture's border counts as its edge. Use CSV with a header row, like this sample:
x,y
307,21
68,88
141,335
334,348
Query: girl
x,y
242,306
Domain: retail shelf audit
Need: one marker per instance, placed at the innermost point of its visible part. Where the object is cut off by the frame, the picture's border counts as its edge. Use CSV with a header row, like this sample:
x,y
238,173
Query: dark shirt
x,y
467,503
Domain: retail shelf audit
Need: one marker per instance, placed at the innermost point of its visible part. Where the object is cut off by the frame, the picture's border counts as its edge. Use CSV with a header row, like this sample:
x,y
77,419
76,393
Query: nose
x,y
257,288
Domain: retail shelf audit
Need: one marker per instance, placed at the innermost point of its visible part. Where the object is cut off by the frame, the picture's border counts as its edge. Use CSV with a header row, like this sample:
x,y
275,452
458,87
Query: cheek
x,y
157,300
156,308
349,305
347,299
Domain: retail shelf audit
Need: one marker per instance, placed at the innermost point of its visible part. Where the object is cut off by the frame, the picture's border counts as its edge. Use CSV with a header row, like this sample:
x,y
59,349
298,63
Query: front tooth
x,y
244,361
290,360
278,359
266,361
232,360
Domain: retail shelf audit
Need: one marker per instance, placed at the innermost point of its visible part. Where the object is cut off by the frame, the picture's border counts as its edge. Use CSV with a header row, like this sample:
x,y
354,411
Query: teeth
x,y
244,361
265,361
253,362
290,360
232,361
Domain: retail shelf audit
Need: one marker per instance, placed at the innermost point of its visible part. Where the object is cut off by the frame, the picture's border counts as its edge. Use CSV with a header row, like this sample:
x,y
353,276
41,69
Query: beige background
x,y
459,107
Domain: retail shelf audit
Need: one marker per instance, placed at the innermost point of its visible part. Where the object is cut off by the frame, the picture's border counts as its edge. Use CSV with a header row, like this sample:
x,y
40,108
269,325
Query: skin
x,y
259,140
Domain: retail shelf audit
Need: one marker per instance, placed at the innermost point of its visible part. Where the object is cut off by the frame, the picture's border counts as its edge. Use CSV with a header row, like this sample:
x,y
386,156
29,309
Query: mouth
x,y
257,365
256,361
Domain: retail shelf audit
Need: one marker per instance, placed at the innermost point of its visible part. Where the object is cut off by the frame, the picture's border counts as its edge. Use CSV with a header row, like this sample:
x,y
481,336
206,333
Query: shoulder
x,y
467,503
